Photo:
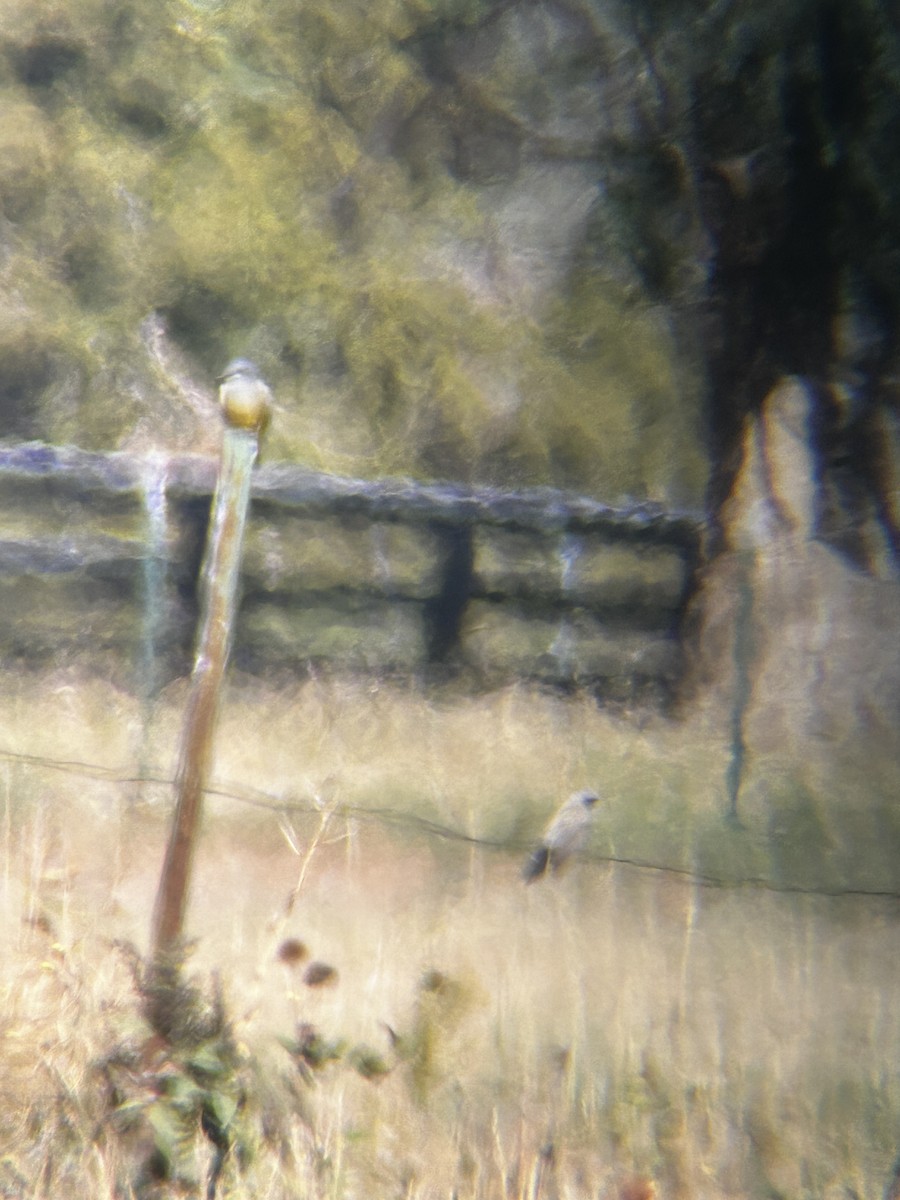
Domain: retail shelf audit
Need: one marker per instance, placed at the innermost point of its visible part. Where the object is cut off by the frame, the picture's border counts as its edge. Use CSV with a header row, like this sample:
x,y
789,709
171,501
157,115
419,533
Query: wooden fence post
x,y
240,447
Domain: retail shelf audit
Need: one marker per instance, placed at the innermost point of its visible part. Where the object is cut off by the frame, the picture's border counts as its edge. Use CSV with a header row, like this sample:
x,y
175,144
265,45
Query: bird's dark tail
x,y
537,864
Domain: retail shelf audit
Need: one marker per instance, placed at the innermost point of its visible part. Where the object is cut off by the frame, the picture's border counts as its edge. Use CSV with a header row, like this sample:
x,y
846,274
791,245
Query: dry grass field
x,y
620,1030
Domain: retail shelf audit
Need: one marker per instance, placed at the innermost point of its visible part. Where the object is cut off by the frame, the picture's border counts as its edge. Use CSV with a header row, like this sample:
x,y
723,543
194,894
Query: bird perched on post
x,y
245,397
566,834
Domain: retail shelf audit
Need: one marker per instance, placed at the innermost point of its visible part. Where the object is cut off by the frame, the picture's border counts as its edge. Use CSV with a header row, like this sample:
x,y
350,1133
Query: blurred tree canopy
x,y
572,242
394,207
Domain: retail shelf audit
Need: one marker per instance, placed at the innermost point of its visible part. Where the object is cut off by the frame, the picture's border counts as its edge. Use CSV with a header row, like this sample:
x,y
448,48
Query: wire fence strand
x,y
401,821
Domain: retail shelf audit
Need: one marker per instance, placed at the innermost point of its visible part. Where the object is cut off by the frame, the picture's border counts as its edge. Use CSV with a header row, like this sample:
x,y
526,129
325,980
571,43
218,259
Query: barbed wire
x,y
399,819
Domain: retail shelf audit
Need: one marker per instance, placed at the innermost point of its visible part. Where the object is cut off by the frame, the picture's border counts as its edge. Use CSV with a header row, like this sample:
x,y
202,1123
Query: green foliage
x,y
311,1051
187,1079
368,1063
184,1079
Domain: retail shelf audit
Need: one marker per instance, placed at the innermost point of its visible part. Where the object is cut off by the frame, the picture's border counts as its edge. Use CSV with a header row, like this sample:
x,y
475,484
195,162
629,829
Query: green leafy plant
x,y
181,1080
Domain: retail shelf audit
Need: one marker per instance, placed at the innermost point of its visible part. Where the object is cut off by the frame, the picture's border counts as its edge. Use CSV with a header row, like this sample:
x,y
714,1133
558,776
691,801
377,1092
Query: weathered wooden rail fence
x,y
99,558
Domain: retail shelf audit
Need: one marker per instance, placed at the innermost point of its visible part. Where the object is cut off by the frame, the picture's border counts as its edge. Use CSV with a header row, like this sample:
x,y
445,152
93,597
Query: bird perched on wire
x,y
566,834
245,397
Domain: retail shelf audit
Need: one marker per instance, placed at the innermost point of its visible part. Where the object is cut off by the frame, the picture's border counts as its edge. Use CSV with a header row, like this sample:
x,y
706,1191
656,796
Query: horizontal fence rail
x,y
100,553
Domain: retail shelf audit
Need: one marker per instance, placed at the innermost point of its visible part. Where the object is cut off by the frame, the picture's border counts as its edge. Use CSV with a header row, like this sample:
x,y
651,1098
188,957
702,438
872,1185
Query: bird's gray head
x,y
588,799
239,368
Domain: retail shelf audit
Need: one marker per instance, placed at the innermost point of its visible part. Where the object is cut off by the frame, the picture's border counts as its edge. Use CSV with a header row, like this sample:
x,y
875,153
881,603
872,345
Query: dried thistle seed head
x,y
320,974
433,981
291,952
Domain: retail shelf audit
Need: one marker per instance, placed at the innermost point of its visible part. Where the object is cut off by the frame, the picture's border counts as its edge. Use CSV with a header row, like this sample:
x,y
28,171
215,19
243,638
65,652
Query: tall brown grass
x,y
619,1030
